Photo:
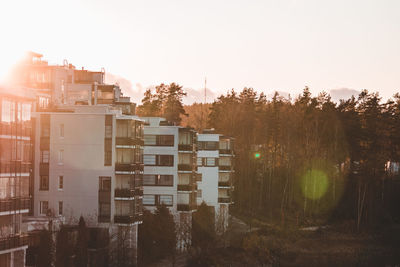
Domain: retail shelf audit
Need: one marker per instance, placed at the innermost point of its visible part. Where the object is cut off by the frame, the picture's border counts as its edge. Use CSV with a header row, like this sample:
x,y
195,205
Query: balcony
x,y
185,207
225,168
124,167
128,141
225,151
124,193
124,219
103,218
186,187
224,184
139,192
224,200
13,242
182,147
185,167
14,204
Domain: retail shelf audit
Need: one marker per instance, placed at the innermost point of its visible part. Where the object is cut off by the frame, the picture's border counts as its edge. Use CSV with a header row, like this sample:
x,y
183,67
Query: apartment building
x,y
15,173
215,163
89,162
170,171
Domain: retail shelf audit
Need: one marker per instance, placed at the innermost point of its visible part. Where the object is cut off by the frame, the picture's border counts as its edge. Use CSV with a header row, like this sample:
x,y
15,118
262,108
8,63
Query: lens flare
x,y
314,184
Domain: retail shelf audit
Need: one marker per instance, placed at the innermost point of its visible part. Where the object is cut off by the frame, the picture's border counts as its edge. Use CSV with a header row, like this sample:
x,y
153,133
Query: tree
x,y
166,101
203,230
82,244
64,248
46,249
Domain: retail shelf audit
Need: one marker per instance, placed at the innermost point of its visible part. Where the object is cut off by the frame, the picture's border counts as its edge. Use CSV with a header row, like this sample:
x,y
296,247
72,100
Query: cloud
x,y
343,93
197,95
135,92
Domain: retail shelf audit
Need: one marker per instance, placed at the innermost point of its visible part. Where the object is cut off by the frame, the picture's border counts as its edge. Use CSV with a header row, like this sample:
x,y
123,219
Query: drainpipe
x,y
95,93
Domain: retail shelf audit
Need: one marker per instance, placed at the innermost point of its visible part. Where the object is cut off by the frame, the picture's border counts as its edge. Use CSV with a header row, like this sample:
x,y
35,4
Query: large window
x,y
208,162
154,200
44,183
158,160
158,180
159,140
7,111
125,155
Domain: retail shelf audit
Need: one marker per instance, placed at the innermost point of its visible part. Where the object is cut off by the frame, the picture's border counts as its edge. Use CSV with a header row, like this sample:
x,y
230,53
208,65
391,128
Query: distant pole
x,y
205,90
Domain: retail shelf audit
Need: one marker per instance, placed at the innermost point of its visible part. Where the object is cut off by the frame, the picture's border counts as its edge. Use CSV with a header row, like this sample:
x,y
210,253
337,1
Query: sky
x,y
270,45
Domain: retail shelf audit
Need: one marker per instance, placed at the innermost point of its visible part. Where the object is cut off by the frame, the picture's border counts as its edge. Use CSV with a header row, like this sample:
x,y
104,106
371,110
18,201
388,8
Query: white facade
x,y
215,164
170,171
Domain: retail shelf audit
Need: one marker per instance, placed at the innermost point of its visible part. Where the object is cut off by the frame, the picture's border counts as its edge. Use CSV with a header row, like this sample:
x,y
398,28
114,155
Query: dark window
x,y
165,140
60,182
165,160
60,207
155,200
104,183
44,182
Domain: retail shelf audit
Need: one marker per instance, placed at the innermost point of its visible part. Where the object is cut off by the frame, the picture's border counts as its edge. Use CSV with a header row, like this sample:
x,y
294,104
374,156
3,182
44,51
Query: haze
x,y
267,45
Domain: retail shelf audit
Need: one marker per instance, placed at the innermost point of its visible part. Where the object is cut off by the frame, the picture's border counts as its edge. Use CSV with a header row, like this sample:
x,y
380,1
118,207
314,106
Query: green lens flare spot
x,y
314,184
257,155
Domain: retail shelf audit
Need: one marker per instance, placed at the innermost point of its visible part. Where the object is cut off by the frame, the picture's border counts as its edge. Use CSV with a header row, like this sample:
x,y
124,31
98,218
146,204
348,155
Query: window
x,y
104,183
62,130
208,145
159,180
209,162
44,183
154,200
125,155
61,156
60,207
44,207
165,140
104,212
166,200
165,160
149,200
44,156
199,193
159,140
158,160
60,182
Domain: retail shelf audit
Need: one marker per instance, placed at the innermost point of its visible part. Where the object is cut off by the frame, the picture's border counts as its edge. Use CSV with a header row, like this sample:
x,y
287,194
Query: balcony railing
x,y
14,204
225,151
126,219
124,167
128,141
13,242
185,167
124,192
186,187
224,184
182,147
224,200
225,168
186,207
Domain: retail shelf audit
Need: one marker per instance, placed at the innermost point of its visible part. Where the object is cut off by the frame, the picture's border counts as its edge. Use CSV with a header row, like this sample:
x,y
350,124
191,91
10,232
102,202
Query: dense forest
x,y
303,160
310,160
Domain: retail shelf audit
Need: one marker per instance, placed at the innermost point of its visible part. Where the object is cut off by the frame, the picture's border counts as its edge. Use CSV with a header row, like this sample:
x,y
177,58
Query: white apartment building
x,y
215,163
170,171
88,162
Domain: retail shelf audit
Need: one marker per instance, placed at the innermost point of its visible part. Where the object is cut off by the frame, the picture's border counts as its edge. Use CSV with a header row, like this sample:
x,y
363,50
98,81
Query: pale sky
x,y
268,45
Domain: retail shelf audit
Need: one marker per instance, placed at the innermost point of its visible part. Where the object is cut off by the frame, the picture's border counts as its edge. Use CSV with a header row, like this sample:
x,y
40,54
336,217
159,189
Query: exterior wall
x,y
83,164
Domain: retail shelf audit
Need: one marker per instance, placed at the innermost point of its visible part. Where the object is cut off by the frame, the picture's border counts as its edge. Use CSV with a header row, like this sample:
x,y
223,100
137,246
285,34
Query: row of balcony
x,y
224,184
13,242
14,204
